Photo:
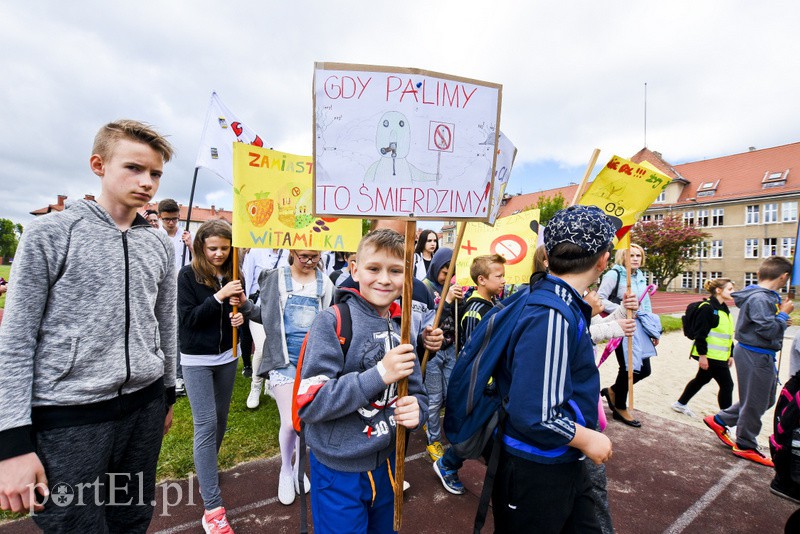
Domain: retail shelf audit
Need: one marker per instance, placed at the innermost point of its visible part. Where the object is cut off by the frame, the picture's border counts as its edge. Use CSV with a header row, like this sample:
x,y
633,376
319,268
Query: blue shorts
x,y
348,503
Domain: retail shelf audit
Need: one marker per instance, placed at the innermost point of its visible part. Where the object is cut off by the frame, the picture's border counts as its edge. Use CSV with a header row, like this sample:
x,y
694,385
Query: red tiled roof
x,y
198,214
655,159
520,202
740,175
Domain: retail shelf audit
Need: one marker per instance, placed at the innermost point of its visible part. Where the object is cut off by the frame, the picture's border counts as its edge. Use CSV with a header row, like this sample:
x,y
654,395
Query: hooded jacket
x,y
441,258
90,319
761,324
347,408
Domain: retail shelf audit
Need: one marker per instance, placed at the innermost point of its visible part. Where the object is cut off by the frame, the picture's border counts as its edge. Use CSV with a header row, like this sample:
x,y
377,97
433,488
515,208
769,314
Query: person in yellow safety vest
x,y
713,347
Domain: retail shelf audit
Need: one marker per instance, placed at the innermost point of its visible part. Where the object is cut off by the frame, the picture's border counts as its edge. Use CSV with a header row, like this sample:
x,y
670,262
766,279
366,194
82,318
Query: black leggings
x,y
721,373
620,387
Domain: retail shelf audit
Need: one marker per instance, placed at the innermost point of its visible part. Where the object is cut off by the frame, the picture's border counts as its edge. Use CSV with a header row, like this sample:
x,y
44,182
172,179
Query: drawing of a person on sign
x,y
393,141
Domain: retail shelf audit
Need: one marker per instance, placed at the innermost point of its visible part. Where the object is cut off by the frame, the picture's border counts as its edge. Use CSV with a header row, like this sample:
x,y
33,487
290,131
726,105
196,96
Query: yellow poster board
x,y
272,204
624,190
513,237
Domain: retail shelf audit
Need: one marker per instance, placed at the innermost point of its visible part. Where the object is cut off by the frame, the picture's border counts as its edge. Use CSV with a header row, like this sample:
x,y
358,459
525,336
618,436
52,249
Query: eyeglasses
x,y
305,258
169,219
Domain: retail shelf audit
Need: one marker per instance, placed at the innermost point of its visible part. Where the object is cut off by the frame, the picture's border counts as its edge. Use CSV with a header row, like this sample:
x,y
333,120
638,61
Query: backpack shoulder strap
x,y
344,325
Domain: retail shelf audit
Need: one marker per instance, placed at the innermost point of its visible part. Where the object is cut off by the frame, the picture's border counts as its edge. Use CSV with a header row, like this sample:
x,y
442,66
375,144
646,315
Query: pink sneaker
x,y
216,522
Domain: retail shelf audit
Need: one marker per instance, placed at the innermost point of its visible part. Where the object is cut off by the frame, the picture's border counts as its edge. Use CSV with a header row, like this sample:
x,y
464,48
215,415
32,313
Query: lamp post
x,y
700,249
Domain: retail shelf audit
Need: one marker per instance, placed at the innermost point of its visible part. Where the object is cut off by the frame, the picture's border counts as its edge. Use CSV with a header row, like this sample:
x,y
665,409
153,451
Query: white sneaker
x,y
306,484
406,485
285,489
682,408
267,389
254,398
180,387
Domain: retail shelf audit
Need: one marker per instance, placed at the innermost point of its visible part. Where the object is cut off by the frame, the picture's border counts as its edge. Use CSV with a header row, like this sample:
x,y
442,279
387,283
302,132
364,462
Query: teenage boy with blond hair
x,y
87,349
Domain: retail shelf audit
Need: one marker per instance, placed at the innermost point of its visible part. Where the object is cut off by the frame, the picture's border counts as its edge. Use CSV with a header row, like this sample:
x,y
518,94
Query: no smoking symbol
x,y
441,136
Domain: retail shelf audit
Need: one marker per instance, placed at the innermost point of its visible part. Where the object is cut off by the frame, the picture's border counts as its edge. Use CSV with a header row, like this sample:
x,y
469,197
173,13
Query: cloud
x,y
718,74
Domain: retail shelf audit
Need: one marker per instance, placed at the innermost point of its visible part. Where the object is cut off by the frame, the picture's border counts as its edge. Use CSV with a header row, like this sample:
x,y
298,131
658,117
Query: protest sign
x,y
506,153
272,204
624,190
393,142
513,237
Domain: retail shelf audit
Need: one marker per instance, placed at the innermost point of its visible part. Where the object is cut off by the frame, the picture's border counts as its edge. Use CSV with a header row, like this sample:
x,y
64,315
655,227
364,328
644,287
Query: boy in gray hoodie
x,y
763,318
87,350
349,401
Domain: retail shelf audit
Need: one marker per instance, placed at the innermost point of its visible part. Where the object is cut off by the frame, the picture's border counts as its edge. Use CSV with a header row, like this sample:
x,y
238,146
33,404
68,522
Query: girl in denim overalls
x,y
290,299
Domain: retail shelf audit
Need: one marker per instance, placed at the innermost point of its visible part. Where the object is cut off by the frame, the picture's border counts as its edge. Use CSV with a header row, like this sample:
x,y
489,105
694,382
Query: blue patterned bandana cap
x,y
588,227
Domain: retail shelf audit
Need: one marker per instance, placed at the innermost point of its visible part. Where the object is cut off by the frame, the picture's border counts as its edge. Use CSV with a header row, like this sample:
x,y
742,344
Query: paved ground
x,y
665,477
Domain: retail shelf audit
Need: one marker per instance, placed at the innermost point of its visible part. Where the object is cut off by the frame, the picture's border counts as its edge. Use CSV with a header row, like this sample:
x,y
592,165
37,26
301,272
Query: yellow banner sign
x,y
513,237
272,204
624,190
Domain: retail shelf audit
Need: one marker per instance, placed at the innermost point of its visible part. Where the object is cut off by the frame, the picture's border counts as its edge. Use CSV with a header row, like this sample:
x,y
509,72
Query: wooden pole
x,y
630,338
402,385
445,287
582,185
235,308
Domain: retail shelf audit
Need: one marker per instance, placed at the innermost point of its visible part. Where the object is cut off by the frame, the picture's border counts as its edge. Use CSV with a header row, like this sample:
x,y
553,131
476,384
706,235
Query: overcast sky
x,y
721,76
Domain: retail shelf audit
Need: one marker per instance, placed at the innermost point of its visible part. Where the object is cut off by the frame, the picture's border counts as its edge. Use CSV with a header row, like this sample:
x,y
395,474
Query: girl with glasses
x,y
289,300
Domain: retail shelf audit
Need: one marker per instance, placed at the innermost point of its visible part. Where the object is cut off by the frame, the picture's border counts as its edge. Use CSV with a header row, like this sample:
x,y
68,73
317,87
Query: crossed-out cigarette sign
x,y
440,136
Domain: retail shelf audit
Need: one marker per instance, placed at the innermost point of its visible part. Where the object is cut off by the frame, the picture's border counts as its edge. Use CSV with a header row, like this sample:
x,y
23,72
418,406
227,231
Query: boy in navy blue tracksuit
x,y
551,385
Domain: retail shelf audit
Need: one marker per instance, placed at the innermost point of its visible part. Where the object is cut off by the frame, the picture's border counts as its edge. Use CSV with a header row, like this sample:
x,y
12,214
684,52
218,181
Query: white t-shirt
x,y
260,259
177,243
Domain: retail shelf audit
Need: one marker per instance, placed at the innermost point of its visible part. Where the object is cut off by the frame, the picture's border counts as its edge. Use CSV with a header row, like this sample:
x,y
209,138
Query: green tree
x,y
9,238
668,244
548,206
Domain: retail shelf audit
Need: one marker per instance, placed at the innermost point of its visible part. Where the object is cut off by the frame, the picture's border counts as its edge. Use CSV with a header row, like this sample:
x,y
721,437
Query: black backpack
x,y
689,319
784,443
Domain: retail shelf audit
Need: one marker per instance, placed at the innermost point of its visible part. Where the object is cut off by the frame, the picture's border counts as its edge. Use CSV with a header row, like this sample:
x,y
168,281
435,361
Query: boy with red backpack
x,y
348,401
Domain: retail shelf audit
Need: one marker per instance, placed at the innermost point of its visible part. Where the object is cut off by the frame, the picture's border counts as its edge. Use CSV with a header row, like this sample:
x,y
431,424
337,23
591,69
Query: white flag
x,y
221,130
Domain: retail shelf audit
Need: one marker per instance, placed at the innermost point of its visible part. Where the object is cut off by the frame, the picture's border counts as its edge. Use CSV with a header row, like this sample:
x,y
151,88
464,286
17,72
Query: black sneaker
x,y
790,492
247,371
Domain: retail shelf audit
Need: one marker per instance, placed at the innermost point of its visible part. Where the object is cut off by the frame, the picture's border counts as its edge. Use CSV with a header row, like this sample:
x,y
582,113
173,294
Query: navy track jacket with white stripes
x,y
550,379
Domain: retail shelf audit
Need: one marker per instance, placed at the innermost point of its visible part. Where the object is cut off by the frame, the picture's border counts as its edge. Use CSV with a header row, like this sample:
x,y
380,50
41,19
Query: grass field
x,y
5,272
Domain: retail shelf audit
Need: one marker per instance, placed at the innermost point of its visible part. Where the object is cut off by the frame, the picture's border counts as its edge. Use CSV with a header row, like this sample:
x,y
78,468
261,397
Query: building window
x,y
702,217
662,197
645,218
751,215
707,189
770,247
702,276
688,218
750,279
751,248
701,250
789,211
658,217
686,280
771,213
717,216
716,248
787,247
713,275
774,179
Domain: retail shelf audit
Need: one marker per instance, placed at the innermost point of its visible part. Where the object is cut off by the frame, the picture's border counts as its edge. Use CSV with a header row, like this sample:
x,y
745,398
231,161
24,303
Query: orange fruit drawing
x,y
260,210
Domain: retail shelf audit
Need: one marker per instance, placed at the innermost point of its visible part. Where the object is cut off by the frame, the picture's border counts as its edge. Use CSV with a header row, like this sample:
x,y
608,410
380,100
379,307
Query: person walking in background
x,y
763,319
289,300
426,247
648,329
255,262
206,294
713,347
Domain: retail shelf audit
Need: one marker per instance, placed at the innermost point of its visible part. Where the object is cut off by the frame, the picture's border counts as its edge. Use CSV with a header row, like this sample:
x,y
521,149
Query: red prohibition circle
x,y
512,247
442,137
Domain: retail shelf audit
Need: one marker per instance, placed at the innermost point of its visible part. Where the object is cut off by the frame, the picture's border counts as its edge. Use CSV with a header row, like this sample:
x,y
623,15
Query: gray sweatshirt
x,y
90,316
348,410
761,324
